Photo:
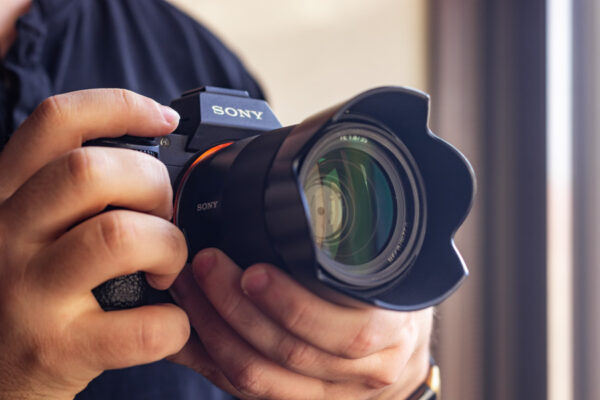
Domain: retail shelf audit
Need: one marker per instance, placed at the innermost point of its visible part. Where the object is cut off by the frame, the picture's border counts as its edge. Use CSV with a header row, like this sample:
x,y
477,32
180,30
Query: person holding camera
x,y
255,333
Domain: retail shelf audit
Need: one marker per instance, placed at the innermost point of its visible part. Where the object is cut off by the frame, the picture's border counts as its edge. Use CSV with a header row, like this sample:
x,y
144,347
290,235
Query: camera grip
x,y
127,292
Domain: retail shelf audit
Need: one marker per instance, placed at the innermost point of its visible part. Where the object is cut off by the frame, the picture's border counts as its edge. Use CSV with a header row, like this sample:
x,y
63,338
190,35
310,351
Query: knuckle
x,y
128,99
52,109
410,331
173,255
160,178
294,353
164,178
160,170
298,315
177,244
362,343
151,336
153,174
391,365
115,231
173,240
84,165
383,378
231,307
248,381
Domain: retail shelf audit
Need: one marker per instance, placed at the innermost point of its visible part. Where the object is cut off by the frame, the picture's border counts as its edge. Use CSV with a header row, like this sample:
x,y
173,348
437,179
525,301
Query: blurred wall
x,y
311,54
490,85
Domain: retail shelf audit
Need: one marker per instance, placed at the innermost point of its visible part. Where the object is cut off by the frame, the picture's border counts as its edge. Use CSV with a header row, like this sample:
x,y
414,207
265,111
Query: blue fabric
x,y
147,46
162,380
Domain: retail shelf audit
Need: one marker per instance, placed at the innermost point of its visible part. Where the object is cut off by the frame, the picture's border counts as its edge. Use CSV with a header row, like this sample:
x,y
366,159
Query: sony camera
x,y
359,203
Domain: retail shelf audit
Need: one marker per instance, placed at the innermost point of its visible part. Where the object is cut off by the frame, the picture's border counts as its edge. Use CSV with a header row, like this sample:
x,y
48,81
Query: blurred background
x,y
514,86
311,54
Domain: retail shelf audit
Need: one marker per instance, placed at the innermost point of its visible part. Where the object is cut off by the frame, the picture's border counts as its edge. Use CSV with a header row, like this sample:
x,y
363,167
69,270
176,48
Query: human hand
x,y
261,335
56,245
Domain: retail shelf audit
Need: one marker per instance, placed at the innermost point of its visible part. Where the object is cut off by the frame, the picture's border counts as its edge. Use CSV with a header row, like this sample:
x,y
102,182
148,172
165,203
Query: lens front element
x,y
363,199
351,205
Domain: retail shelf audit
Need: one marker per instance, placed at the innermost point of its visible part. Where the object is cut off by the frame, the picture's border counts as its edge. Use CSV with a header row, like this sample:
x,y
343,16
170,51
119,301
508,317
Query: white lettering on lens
x,y
354,138
398,247
237,112
208,205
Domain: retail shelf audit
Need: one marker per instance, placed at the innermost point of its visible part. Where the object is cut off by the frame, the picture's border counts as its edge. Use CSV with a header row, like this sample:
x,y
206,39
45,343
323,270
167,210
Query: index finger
x,y
63,122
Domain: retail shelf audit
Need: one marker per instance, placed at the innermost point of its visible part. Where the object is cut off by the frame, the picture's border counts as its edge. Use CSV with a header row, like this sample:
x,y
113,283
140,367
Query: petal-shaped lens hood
x,y
448,182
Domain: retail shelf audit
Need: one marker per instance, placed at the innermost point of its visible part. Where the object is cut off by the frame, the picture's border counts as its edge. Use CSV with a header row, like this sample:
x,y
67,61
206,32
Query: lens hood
x,y
448,184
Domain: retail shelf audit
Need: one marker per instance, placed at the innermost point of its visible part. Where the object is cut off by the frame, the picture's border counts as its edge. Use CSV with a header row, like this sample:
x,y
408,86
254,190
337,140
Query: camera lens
x,y
363,200
351,205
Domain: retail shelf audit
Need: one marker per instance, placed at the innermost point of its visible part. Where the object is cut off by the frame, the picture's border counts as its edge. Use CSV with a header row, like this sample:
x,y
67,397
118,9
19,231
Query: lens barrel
x,y
360,205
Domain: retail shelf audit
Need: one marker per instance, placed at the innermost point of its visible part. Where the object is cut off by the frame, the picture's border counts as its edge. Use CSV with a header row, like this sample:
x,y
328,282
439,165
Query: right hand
x,y
56,245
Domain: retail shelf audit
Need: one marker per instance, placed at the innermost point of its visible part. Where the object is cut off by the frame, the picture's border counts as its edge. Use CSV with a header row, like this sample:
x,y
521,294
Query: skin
x,y
258,334
56,244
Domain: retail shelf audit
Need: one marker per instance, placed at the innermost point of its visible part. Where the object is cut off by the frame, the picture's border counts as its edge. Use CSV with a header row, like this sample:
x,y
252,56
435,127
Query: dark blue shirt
x,y
147,46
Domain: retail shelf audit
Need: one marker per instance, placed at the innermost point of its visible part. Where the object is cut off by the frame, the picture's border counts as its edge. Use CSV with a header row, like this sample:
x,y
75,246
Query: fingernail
x,y
170,115
255,282
203,263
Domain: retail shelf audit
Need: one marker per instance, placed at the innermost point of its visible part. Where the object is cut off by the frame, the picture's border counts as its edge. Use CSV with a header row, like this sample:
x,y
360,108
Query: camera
x,y
359,202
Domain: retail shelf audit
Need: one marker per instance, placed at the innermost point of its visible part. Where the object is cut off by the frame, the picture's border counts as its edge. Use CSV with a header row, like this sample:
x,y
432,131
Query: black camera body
x,y
359,202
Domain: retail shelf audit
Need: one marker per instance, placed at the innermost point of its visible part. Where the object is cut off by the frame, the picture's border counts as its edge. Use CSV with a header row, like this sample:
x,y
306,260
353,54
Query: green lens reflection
x,y
351,204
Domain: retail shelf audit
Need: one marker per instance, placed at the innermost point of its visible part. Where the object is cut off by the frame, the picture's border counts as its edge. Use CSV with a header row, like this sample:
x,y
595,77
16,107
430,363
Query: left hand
x,y
262,335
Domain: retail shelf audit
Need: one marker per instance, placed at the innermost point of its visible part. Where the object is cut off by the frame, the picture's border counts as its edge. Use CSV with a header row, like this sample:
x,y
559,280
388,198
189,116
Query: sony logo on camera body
x,y
207,205
237,112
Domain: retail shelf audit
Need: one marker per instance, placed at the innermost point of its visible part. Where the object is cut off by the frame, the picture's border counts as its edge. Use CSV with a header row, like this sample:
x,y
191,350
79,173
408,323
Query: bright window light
x,y
560,265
